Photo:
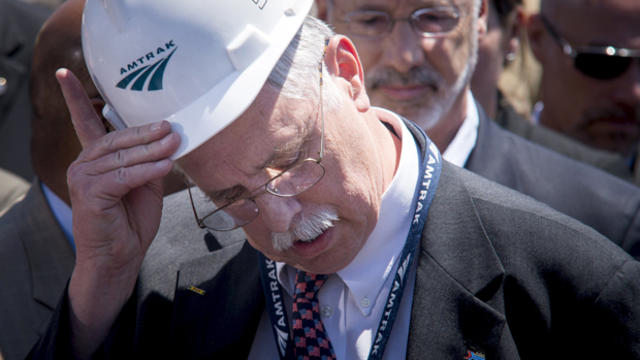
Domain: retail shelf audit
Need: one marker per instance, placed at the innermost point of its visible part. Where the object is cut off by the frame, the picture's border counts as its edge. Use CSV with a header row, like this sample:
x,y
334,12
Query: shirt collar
x,y
369,270
462,145
61,211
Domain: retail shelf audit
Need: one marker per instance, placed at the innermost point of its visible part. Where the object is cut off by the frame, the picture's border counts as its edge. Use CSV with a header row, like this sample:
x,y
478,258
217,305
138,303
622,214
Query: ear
x,y
536,34
483,18
343,63
516,30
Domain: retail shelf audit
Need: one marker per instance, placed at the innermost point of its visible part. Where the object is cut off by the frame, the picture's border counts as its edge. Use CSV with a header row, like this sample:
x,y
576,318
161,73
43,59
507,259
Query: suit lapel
x,y
487,143
459,277
49,253
205,320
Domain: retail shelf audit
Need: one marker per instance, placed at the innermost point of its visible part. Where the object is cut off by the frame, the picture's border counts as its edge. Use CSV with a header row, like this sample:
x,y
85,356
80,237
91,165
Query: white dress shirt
x,y
462,145
353,299
61,211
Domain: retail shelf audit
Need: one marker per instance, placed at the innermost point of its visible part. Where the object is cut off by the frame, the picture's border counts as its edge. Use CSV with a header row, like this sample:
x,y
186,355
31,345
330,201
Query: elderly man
x,y
416,258
418,59
590,87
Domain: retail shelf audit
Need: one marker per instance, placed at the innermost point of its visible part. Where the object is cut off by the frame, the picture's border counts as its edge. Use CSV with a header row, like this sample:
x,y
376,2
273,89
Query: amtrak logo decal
x,y
150,67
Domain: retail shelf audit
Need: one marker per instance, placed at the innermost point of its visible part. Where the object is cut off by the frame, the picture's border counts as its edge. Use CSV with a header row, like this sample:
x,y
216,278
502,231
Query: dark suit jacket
x,y
19,25
12,189
598,199
509,119
36,260
497,273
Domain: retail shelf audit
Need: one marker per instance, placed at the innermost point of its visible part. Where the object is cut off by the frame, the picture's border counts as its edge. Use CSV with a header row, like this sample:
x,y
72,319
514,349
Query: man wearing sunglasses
x,y
496,55
590,86
418,59
416,258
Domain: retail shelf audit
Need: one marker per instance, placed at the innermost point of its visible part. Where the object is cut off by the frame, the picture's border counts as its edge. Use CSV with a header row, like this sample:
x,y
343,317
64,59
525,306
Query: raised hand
x,y
116,196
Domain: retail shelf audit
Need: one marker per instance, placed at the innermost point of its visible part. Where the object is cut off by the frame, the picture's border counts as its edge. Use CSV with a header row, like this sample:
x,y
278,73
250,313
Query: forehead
x,y
396,7
598,22
236,153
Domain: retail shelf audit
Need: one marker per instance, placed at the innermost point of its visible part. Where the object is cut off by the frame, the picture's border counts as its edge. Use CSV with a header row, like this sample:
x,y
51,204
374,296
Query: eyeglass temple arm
x,y
321,69
564,44
193,207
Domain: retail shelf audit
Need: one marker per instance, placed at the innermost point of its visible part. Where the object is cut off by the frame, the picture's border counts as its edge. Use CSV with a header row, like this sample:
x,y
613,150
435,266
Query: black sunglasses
x,y
598,62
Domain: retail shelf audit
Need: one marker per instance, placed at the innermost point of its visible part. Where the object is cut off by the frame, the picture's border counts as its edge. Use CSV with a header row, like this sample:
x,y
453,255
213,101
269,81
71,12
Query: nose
x,y
277,213
403,47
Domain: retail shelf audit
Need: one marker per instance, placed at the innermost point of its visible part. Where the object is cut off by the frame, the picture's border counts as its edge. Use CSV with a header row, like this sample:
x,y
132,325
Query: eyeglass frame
x,y
409,19
573,52
265,186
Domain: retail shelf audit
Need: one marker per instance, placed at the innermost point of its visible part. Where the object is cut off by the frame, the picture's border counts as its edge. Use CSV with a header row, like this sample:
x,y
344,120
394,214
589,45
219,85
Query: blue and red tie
x,y
310,339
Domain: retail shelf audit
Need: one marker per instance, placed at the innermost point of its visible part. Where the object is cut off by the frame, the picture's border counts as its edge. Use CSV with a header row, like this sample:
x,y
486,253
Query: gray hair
x,y
296,75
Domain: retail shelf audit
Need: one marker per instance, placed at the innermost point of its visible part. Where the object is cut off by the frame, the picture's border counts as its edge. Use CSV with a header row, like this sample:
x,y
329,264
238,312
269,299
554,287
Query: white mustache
x,y
418,75
305,227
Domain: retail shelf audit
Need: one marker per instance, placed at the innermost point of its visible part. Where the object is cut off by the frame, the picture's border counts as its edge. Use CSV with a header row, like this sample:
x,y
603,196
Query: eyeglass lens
x,y
297,179
600,66
426,21
236,214
289,183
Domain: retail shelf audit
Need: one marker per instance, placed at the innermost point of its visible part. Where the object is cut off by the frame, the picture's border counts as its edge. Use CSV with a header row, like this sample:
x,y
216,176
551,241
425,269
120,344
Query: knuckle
x,y
121,175
146,149
109,141
120,157
77,183
75,172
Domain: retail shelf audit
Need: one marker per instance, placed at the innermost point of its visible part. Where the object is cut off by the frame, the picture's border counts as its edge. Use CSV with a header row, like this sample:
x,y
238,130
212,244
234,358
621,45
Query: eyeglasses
x,y
293,181
427,22
598,62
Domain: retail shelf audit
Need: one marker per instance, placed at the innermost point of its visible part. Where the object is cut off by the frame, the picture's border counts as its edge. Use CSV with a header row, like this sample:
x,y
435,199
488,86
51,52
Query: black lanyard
x,y
425,190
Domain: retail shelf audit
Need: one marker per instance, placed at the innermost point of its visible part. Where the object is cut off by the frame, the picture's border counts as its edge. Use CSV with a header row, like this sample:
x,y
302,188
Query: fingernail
x,y
156,126
166,139
162,163
61,73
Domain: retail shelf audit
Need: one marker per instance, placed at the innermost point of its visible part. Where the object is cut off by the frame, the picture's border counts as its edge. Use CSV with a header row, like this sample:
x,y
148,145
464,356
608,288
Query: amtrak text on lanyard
x,y
430,168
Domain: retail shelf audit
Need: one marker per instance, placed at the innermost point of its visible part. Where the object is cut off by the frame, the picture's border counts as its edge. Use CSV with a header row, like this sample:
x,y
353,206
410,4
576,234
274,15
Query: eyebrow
x,y
282,155
227,195
415,5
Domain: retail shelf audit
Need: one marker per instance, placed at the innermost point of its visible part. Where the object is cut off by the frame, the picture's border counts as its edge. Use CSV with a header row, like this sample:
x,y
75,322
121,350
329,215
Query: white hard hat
x,y
198,64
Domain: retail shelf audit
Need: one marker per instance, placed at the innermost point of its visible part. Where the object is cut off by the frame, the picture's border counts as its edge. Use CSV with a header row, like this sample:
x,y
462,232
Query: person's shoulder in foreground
x,y
35,262
608,204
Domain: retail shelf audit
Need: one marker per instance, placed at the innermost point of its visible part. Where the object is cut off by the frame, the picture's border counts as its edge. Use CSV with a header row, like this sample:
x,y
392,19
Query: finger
x,y
117,183
86,122
124,139
149,152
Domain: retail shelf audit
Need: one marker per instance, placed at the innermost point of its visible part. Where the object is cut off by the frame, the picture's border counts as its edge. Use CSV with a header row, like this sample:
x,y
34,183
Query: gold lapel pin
x,y
197,290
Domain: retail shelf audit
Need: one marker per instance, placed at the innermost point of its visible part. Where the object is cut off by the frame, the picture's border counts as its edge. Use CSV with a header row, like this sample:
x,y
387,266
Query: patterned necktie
x,y
309,336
